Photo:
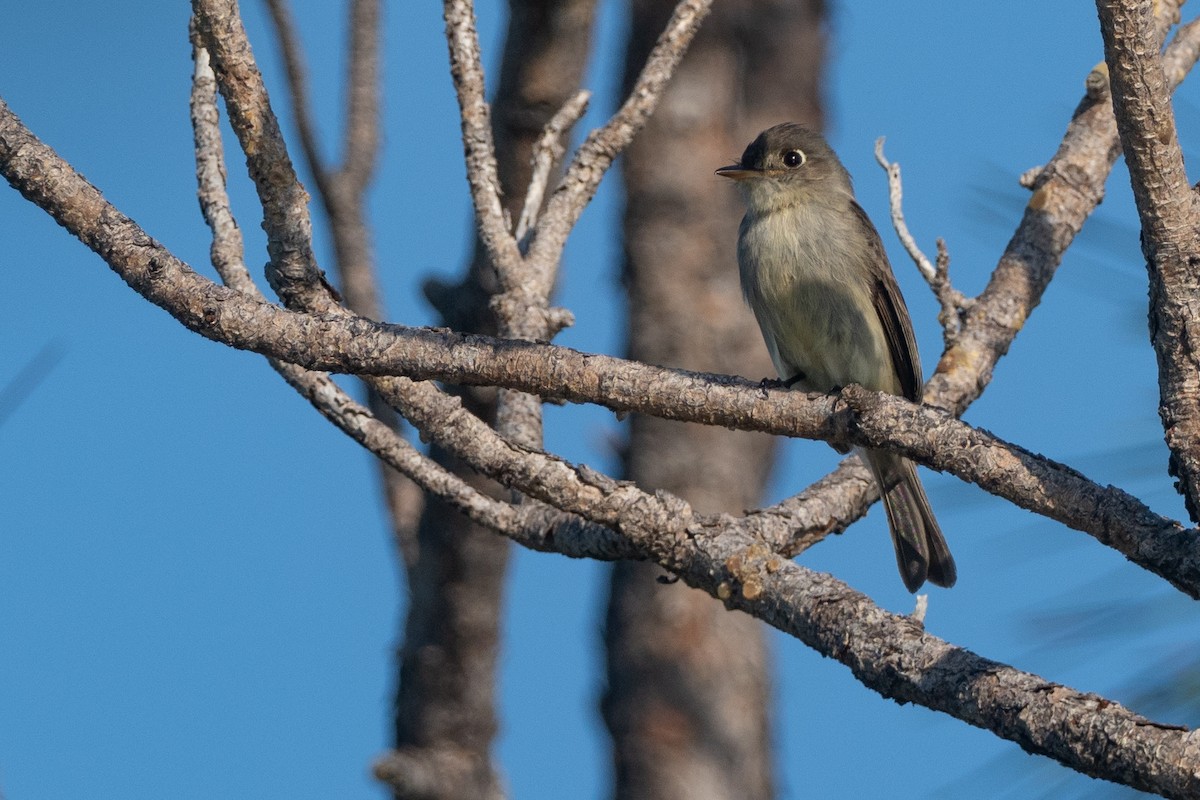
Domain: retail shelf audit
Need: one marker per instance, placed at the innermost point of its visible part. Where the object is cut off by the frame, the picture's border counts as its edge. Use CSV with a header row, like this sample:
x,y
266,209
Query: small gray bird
x,y
815,274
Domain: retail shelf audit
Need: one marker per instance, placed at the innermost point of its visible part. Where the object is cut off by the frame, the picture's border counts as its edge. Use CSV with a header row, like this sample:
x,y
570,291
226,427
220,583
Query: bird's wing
x,y
893,314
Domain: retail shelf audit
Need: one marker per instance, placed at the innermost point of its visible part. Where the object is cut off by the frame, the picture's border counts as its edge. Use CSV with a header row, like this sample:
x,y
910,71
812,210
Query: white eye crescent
x,y
794,158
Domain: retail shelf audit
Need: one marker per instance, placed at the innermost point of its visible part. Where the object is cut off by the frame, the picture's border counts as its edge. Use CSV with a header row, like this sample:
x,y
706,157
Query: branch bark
x,y
1170,215
352,344
292,272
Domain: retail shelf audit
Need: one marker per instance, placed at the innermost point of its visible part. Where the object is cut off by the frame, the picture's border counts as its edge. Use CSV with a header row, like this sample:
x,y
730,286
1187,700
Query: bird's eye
x,y
794,158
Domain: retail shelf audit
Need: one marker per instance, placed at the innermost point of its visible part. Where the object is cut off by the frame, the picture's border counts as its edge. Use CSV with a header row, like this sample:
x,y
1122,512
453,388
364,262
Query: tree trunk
x,y
445,704
688,693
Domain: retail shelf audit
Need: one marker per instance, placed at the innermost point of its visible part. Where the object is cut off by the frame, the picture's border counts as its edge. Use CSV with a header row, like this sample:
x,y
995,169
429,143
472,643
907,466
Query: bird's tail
x,y
921,550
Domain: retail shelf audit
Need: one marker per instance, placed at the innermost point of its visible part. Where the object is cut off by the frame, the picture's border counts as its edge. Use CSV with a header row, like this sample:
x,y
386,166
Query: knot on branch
x,y
522,317
1096,83
748,570
1033,177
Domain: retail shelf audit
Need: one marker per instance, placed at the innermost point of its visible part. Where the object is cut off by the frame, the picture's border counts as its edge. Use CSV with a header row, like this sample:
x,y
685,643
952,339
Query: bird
x,y
814,272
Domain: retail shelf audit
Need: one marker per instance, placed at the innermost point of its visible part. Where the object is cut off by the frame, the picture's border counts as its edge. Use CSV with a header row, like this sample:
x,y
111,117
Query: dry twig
x,y
546,154
953,303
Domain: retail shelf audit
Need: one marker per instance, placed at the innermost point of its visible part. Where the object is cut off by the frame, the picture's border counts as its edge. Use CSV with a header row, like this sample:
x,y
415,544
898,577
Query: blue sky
x,y
199,598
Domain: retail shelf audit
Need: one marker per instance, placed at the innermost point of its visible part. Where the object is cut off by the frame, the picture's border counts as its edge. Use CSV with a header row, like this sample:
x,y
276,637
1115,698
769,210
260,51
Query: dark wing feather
x,y
893,314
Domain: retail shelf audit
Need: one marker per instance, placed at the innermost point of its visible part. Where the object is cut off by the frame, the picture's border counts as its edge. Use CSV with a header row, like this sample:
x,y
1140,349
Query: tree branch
x,y
952,301
887,653
1170,215
227,252
895,657
293,272
357,345
604,144
546,153
479,147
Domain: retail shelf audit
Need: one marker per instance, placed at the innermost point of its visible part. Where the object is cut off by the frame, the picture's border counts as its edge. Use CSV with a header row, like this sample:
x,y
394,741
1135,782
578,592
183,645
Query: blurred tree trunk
x,y
445,704
688,687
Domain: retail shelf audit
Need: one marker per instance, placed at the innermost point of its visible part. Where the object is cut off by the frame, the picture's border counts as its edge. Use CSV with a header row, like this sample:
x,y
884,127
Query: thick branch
x,y
354,344
887,653
895,657
1170,215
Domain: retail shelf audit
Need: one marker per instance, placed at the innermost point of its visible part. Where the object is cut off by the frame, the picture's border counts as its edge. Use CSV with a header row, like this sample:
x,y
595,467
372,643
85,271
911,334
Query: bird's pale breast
x,y
812,300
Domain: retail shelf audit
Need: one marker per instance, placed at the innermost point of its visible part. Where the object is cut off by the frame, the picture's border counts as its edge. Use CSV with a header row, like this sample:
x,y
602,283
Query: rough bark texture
x,y
688,687
1170,216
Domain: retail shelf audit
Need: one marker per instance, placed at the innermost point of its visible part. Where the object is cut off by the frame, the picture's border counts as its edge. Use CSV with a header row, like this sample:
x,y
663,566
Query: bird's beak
x,y
738,173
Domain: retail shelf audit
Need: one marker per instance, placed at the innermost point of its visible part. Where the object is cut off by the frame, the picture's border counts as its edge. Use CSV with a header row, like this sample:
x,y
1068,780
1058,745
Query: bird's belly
x,y
827,333
818,318
825,337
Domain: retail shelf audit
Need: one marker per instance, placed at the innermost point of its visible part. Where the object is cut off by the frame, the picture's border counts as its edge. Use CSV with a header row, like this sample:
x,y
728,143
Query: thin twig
x,y
293,271
953,303
895,202
227,251
546,154
478,143
604,144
